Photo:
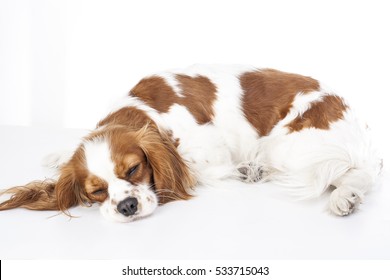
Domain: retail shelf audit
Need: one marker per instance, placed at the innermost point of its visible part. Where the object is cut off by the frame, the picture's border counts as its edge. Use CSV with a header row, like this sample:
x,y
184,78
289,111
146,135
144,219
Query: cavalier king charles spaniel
x,y
177,129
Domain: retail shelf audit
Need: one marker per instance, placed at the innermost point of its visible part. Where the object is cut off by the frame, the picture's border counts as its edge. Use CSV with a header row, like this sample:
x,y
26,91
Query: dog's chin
x,y
110,212
119,218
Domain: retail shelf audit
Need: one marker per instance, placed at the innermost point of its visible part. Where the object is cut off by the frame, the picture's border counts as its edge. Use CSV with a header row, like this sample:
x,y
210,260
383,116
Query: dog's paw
x,y
344,201
249,172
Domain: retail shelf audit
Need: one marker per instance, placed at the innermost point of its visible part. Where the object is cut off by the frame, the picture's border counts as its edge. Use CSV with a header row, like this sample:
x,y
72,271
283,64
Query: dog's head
x,y
128,172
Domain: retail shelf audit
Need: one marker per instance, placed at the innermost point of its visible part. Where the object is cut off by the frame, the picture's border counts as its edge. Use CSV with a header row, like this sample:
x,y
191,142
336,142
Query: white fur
x,y
170,79
306,162
301,104
99,163
214,150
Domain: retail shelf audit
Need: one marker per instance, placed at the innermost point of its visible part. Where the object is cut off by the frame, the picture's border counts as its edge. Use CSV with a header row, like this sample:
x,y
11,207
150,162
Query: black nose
x,y
128,206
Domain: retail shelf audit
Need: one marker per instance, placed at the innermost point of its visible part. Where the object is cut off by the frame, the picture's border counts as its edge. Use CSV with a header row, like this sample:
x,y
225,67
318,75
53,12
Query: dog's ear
x,y
47,195
36,195
172,177
69,189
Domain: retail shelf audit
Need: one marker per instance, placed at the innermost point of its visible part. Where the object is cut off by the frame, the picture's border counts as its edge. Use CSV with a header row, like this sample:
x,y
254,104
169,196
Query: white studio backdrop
x,y
63,62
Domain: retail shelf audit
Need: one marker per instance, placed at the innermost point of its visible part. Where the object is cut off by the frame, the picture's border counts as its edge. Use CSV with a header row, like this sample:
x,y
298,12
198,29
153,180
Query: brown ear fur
x,y
172,177
37,195
69,190
46,195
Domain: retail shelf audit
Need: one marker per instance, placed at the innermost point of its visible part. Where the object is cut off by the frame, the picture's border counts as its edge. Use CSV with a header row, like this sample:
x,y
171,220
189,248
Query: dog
x,y
180,128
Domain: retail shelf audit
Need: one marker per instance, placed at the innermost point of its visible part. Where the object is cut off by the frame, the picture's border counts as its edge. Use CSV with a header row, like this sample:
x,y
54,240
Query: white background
x,y
63,62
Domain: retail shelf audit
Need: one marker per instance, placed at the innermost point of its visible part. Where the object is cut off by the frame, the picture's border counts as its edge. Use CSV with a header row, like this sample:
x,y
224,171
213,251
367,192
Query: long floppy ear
x,y
46,195
37,195
172,177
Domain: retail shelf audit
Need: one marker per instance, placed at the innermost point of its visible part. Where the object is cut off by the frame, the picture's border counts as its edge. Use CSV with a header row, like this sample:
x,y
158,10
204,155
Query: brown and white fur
x,y
202,124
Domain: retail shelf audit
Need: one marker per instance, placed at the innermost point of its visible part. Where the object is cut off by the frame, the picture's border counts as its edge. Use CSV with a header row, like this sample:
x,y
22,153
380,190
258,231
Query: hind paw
x,y
344,201
249,172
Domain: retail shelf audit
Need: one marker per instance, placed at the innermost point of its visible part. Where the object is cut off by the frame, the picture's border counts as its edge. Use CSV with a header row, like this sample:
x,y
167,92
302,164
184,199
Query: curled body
x,y
180,128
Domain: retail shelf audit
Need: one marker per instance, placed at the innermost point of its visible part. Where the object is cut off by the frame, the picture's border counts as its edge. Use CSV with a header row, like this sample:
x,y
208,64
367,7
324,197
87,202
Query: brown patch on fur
x,y
156,93
198,93
320,115
130,117
171,176
126,154
96,188
126,160
93,183
269,94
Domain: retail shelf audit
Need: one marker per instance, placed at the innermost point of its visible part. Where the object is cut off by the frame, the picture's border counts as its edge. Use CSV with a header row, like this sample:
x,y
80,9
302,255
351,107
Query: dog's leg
x,y
349,192
249,172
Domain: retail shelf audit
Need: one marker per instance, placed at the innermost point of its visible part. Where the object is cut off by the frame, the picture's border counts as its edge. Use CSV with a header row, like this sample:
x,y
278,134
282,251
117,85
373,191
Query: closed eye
x,y
99,192
131,171
99,195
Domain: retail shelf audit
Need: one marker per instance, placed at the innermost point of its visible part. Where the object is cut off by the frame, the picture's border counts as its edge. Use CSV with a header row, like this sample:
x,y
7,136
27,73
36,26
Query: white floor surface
x,y
230,221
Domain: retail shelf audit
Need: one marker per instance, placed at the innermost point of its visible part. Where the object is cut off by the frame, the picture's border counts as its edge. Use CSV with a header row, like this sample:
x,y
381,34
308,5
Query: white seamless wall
x,y
63,62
